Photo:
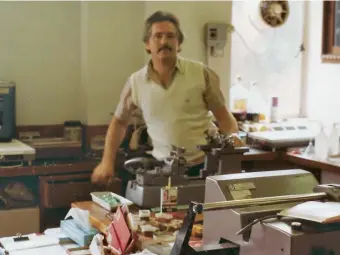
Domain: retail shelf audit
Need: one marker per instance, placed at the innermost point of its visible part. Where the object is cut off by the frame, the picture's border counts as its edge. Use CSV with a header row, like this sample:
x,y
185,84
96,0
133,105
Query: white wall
x,y
112,50
268,55
321,80
70,60
39,49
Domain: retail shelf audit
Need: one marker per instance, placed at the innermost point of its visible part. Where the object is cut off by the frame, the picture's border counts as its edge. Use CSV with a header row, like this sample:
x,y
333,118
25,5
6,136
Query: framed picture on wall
x,y
331,32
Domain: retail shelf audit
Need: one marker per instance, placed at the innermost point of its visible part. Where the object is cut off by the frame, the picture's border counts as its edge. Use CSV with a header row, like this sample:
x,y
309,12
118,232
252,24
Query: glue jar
x,y
73,130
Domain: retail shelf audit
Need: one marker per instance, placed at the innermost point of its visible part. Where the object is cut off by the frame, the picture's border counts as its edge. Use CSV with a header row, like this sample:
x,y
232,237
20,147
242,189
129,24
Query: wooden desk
x,y
56,185
48,169
329,170
61,174
259,155
326,165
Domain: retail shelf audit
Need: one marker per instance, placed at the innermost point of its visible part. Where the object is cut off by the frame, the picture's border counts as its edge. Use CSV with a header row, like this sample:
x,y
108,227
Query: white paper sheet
x,y
35,241
50,250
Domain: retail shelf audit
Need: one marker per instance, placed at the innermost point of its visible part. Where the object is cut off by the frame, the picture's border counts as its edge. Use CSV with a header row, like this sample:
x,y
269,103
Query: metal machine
x,y
152,175
285,134
16,152
241,216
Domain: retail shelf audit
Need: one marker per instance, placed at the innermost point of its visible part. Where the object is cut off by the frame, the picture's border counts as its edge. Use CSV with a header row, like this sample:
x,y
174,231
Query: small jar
x,y
73,130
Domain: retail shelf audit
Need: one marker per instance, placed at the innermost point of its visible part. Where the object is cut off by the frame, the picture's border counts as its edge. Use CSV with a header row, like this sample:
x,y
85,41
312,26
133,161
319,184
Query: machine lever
x,y
181,245
232,204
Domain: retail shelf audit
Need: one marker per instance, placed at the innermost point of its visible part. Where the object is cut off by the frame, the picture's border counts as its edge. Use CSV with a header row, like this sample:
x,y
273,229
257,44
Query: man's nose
x,y
164,40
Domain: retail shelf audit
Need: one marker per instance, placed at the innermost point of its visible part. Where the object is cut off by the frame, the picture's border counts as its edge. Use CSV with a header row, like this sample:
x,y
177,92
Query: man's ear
x,y
147,47
179,49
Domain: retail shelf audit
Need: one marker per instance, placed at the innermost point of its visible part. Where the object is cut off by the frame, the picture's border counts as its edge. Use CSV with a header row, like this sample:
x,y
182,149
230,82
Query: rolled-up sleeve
x,y
213,96
126,106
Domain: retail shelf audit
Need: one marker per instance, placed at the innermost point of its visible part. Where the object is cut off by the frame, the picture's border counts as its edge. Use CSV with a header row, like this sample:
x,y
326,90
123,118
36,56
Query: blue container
x,y
82,238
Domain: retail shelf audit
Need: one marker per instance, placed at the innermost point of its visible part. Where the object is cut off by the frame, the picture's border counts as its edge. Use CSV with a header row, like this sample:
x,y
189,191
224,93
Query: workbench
x,y
58,184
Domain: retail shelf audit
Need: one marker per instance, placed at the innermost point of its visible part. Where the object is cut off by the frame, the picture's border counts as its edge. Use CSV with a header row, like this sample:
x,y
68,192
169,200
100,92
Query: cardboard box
x,y
22,220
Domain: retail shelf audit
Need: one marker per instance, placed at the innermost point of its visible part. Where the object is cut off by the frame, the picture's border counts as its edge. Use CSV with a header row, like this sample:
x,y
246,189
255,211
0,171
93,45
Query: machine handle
x,y
199,207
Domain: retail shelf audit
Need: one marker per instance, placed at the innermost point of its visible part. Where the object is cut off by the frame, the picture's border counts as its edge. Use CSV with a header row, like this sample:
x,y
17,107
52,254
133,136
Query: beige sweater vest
x,y
175,116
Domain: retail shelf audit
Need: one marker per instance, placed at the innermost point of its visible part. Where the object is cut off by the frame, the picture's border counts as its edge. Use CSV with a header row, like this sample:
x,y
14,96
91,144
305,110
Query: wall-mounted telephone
x,y
216,38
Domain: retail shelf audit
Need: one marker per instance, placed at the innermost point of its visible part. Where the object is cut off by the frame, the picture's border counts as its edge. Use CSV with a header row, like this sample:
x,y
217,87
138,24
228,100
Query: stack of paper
x,y
322,212
34,241
57,233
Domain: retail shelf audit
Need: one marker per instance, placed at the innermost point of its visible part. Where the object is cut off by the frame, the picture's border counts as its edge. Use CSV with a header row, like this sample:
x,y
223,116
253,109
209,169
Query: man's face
x,y
163,42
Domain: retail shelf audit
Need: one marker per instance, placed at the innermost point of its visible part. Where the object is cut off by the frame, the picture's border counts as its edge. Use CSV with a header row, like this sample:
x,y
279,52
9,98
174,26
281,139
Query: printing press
x,y
151,175
242,216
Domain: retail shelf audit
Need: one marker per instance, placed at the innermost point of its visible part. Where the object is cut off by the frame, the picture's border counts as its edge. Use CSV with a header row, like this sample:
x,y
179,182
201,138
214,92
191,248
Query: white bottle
x,y
238,96
309,151
334,142
321,145
256,102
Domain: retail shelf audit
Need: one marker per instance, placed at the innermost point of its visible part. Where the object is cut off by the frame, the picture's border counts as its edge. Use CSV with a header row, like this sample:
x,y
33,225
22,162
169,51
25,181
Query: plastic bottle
x,y
334,142
238,96
310,150
321,145
256,102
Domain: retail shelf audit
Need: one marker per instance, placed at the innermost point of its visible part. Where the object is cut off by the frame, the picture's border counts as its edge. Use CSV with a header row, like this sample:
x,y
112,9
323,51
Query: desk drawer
x,y
61,191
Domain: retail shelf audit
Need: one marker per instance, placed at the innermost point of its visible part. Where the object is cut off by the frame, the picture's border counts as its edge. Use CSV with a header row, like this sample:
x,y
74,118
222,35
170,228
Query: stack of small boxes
x,y
148,226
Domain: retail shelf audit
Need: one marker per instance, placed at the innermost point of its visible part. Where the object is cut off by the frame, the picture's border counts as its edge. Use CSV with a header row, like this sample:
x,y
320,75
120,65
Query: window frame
x,y
330,53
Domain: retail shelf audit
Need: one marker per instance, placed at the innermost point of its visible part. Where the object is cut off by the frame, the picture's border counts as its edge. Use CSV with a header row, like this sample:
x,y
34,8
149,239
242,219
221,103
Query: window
x,y
331,32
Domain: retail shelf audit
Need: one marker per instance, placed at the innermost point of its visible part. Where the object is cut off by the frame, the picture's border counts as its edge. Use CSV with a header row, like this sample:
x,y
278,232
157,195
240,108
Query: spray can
x,y
274,109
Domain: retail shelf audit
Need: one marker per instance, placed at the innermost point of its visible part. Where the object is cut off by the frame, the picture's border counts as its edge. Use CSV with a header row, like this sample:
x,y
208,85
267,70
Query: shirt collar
x,y
178,67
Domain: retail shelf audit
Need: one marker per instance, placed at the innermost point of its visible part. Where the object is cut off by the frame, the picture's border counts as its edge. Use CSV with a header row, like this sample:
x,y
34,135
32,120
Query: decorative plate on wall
x,y
274,13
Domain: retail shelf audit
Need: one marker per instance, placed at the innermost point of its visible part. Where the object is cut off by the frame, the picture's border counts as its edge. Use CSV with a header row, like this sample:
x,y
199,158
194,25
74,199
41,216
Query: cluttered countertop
x,y
153,229
298,211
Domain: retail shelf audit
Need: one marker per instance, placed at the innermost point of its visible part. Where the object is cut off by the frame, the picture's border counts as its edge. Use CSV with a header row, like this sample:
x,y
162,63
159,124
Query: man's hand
x,y
237,141
103,173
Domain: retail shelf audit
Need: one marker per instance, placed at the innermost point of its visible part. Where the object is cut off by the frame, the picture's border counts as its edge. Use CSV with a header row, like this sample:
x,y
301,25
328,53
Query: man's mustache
x,y
165,47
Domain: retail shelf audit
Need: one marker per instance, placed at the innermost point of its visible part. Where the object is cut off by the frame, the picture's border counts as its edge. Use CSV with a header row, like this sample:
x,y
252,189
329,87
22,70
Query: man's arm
x,y
115,136
216,104
119,123
226,121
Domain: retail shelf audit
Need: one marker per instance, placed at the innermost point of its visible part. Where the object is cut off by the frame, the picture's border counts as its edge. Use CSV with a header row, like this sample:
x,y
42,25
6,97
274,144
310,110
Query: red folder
x,y
120,235
112,238
122,229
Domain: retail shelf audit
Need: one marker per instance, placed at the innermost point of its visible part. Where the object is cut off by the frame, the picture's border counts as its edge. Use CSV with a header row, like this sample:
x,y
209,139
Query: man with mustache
x,y
175,96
